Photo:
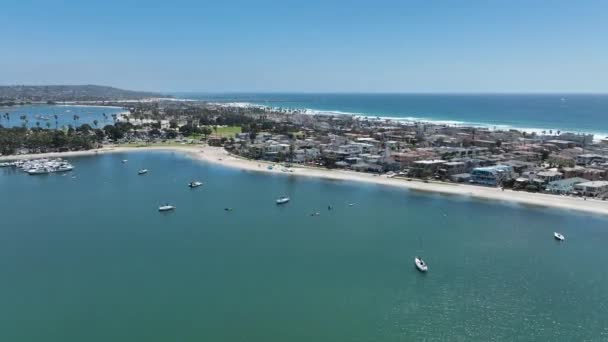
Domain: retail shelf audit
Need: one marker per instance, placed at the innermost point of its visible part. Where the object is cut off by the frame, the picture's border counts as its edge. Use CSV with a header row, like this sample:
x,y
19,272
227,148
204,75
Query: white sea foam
x,y
418,119
238,105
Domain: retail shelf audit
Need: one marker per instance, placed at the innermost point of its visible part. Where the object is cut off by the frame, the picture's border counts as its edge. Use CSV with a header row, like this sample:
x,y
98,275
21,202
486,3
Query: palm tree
x,y
291,152
48,125
76,118
23,119
38,124
56,121
95,122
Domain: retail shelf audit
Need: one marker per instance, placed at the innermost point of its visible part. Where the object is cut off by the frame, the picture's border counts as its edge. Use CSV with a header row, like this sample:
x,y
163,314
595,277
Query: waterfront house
x,y
492,175
461,178
564,186
426,168
454,167
592,189
548,176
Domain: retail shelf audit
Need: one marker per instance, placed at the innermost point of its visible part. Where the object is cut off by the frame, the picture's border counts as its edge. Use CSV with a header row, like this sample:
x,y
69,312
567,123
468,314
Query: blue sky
x,y
311,46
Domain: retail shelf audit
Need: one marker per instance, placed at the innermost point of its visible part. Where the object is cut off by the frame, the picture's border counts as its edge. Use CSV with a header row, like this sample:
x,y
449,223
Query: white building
x,y
592,189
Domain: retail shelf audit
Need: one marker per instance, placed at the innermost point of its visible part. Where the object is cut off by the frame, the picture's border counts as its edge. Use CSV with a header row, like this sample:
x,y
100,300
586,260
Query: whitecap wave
x,y
598,135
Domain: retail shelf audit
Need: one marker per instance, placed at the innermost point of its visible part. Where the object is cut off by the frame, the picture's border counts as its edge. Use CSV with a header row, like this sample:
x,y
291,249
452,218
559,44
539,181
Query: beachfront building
x,y
461,178
564,186
545,177
453,168
592,189
426,168
304,155
492,175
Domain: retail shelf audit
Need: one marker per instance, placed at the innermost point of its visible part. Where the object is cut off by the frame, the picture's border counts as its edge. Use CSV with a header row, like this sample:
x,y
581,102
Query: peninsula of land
x,y
218,155
547,168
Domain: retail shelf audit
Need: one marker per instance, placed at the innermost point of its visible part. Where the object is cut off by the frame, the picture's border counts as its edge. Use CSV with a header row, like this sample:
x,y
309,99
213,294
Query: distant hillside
x,y
59,93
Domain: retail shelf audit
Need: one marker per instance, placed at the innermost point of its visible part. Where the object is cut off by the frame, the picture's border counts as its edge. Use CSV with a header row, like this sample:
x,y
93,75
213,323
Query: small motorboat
x,y
194,184
228,209
39,171
282,200
558,236
142,171
124,161
420,264
166,207
65,168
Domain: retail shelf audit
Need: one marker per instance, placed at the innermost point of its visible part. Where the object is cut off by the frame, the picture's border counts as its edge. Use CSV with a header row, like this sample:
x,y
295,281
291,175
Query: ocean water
x,y
574,113
91,259
65,115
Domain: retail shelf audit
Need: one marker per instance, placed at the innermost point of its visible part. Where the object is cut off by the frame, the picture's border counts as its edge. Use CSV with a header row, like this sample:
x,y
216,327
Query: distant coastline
x,y
218,155
576,113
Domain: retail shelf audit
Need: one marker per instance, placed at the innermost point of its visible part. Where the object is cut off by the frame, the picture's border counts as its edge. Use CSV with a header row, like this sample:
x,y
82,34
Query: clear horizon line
x,y
382,92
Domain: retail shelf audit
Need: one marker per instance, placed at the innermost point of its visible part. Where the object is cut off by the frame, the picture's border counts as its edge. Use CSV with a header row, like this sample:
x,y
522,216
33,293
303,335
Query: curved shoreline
x,y
218,155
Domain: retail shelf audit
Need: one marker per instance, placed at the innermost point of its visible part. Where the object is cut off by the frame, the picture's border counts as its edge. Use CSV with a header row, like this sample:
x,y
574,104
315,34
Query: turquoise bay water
x,y
91,259
534,112
65,115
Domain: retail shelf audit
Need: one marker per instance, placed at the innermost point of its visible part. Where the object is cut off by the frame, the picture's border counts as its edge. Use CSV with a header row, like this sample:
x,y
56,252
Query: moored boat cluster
x,y
41,166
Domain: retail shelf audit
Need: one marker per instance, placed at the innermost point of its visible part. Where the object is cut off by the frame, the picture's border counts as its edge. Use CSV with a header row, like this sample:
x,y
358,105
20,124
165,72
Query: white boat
x,y
38,171
195,184
65,168
558,236
420,264
282,200
142,171
166,207
124,161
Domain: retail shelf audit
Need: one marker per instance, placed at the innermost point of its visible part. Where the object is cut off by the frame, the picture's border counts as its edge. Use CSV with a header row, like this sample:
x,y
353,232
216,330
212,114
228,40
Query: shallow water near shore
x,y
90,258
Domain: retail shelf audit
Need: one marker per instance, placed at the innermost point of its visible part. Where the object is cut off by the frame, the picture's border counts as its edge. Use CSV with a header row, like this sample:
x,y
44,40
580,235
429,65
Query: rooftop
x,y
594,184
429,162
566,183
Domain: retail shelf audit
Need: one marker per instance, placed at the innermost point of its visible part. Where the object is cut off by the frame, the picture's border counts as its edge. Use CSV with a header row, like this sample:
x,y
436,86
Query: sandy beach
x,y
220,156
